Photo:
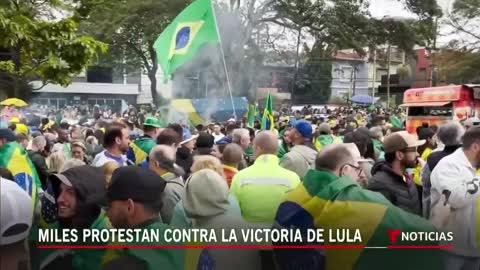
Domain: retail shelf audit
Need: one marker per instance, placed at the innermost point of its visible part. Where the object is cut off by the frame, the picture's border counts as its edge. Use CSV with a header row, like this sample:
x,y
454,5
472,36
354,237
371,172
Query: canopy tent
x,y
364,99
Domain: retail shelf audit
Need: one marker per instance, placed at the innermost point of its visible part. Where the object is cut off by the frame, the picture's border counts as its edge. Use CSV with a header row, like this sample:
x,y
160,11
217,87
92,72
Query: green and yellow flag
x,y
267,119
340,206
180,41
15,158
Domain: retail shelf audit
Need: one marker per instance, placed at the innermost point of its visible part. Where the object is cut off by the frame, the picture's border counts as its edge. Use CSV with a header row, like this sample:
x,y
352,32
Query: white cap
x,y
16,212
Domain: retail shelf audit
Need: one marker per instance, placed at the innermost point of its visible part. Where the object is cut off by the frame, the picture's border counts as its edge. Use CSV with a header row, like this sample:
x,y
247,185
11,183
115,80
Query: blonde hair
x,y
207,162
56,161
108,169
71,163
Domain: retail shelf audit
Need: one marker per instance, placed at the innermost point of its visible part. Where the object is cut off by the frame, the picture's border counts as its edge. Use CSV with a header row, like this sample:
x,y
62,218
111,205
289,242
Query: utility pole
x,y
389,52
433,77
354,84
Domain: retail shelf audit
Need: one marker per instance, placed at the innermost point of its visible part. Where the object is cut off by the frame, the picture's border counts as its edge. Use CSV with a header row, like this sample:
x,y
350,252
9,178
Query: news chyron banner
x,y
340,248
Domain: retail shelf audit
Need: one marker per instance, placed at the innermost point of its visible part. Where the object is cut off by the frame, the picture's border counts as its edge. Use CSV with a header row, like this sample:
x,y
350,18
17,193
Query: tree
x,y
458,66
319,71
464,19
131,27
38,46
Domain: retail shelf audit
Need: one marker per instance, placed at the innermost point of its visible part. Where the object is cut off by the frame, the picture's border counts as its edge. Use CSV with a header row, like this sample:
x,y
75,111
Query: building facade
x,y
349,74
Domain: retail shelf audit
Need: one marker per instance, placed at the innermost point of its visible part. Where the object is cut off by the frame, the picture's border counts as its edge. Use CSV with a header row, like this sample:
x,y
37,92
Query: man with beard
x,y
75,197
116,142
390,177
455,175
135,201
63,143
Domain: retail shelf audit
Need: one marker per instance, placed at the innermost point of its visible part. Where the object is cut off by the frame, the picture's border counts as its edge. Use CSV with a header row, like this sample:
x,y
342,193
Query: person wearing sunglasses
x,y
390,176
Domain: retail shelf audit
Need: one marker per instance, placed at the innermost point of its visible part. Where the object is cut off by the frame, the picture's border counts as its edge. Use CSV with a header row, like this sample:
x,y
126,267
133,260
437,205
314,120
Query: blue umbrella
x,y
363,99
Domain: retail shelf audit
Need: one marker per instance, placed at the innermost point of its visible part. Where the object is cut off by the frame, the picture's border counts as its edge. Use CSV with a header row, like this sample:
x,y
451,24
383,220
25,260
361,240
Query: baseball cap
x,y
16,213
304,128
7,134
152,121
135,183
400,140
14,120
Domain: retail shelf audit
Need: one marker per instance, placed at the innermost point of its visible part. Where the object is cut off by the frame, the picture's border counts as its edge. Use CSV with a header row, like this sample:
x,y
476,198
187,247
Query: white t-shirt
x,y
104,157
218,137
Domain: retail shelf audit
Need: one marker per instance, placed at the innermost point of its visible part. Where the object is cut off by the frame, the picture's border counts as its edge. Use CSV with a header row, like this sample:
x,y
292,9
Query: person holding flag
x,y
140,148
15,158
267,119
179,43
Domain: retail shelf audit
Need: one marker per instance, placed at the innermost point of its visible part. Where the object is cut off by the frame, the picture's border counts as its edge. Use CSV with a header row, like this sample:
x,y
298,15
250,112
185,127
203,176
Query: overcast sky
x,y
380,8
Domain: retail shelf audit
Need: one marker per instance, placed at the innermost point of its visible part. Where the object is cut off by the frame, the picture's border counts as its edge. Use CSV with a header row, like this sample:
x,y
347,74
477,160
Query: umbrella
x,y
364,99
14,101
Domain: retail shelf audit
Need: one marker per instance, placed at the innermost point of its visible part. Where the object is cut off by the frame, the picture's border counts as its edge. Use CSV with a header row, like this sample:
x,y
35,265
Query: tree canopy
x,y
38,46
464,19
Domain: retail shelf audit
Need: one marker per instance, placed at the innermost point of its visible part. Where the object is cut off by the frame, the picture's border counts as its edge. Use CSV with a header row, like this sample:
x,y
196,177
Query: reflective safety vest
x,y
261,187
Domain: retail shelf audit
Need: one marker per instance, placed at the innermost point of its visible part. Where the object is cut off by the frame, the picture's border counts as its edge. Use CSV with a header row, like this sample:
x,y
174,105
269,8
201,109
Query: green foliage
x,y
319,70
424,9
41,49
458,66
467,8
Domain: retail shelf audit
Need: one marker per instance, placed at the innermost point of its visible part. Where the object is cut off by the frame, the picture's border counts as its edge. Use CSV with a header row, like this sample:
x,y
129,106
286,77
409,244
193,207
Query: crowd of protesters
x,y
230,175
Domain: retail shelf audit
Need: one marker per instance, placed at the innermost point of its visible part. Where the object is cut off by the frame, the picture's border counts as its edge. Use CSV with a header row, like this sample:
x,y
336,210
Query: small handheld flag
x,y
180,41
267,119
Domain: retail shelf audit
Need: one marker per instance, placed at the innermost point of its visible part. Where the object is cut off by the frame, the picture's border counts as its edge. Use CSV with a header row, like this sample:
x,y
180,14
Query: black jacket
x,y
184,160
394,188
41,166
435,157
89,185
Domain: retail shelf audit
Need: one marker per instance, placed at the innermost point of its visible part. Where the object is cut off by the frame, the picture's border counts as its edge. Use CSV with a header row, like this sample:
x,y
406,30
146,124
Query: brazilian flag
x,y
325,201
181,40
163,258
267,119
139,150
15,158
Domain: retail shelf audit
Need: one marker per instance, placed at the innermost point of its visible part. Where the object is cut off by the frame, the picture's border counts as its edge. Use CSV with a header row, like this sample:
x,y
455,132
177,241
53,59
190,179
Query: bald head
x,y
266,142
162,152
162,160
332,157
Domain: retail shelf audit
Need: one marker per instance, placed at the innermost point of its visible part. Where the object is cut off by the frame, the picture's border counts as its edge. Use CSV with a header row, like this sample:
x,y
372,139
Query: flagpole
x,y
223,60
